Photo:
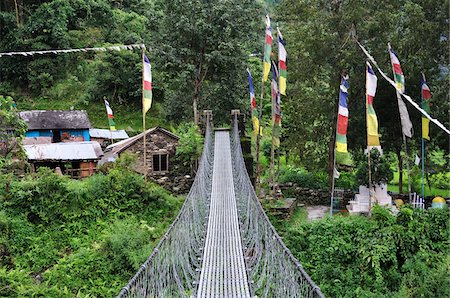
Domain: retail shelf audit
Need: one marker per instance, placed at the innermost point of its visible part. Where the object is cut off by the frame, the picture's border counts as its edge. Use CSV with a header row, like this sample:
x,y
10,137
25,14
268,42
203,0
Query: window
x,y
160,162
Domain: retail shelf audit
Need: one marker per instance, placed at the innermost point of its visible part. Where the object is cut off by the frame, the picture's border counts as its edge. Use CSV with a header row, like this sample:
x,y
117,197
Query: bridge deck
x,y
223,271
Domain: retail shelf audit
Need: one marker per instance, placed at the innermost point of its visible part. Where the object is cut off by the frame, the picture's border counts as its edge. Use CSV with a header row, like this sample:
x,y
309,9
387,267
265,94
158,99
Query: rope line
x,y
64,51
407,97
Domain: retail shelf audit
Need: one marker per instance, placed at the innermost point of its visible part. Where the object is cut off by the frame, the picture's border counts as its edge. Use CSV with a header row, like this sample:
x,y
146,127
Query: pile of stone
x,y
177,185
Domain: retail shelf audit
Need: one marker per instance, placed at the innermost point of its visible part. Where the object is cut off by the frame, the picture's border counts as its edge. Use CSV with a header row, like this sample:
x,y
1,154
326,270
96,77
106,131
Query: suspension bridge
x,y
222,243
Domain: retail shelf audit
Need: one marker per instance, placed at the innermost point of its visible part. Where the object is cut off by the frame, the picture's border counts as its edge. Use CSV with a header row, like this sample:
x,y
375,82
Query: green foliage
x,y
198,45
303,178
52,245
381,171
440,180
189,146
382,256
347,180
12,130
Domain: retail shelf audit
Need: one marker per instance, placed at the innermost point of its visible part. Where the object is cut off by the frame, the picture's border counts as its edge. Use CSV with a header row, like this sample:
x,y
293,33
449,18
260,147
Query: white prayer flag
x,y
417,160
336,174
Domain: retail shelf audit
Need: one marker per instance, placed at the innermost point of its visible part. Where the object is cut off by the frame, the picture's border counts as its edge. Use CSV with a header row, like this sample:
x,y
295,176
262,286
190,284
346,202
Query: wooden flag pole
x,y
258,137
407,168
272,152
334,156
399,98
368,149
143,118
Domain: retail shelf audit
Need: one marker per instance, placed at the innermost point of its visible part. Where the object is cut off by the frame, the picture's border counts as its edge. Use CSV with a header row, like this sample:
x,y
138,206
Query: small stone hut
x,y
161,148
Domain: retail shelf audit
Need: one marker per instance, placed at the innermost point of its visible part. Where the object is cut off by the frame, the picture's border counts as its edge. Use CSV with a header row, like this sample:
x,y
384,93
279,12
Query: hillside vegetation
x,y
71,238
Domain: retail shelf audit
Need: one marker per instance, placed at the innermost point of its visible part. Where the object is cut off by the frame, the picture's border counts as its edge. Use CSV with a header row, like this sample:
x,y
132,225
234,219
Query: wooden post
x,y
143,119
272,153
258,139
208,115
368,151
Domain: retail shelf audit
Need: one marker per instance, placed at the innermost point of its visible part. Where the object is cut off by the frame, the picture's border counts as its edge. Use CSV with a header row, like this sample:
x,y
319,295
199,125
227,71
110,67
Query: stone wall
x,y
309,196
157,143
175,184
175,180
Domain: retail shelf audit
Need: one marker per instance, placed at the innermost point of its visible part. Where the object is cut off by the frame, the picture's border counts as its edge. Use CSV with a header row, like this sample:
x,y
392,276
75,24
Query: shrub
x,y
189,146
385,255
346,180
440,180
303,178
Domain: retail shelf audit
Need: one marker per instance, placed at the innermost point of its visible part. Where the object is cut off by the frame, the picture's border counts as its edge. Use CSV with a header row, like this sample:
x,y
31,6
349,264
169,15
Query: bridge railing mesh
x,y
272,269
173,268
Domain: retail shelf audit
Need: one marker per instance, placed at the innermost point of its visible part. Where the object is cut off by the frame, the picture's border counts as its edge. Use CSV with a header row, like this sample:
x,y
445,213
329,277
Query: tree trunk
x,y
199,77
194,103
400,171
17,12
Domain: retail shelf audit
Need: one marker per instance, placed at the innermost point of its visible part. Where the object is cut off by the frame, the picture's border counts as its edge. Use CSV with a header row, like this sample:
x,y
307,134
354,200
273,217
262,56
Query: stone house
x,y
161,148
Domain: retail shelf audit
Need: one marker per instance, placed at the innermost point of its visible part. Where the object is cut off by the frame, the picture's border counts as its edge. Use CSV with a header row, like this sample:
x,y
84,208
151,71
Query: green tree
x,y
12,130
203,46
381,171
320,46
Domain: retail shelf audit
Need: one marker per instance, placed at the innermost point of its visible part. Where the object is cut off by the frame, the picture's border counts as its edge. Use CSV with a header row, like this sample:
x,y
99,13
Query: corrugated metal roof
x,y
64,151
108,134
113,150
56,119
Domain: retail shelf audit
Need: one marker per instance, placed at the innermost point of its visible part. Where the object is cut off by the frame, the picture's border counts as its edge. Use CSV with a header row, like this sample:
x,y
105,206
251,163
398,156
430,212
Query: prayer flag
x,y
336,174
282,62
341,133
399,79
112,125
276,112
417,160
267,49
147,85
254,110
426,96
373,138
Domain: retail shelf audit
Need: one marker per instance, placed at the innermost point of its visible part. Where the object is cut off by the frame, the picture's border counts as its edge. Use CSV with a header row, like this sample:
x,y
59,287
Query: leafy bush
x,y
386,255
440,180
303,178
189,146
66,238
381,171
346,180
